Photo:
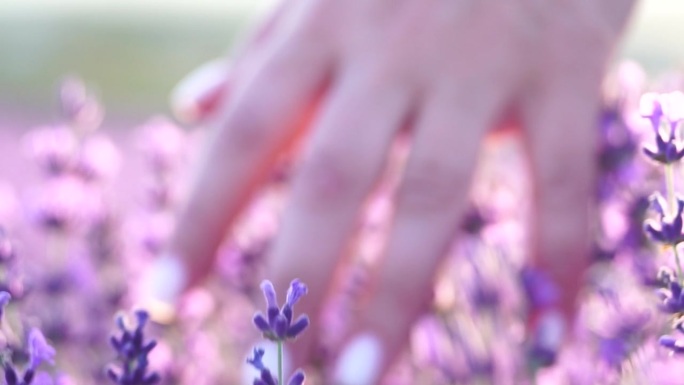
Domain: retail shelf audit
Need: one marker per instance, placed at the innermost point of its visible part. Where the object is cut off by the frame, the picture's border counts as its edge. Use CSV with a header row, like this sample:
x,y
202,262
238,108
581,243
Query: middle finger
x,y
343,159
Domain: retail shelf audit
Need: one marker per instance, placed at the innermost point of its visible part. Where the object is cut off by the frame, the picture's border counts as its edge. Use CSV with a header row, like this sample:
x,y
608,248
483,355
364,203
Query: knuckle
x,y
330,175
431,186
246,131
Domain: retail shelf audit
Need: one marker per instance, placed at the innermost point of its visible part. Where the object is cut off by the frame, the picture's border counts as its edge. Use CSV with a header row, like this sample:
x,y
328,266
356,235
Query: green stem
x,y
280,362
672,203
678,262
670,185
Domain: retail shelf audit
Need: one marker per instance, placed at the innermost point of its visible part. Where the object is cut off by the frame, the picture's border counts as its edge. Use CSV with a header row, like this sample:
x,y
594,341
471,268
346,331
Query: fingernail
x,y
359,363
197,94
551,330
270,360
165,280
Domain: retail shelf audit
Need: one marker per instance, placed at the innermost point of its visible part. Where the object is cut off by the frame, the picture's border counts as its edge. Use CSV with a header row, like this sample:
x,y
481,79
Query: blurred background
x,y
134,51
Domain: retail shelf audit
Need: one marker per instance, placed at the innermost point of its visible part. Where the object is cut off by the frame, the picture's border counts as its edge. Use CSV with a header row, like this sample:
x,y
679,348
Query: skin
x,y
348,76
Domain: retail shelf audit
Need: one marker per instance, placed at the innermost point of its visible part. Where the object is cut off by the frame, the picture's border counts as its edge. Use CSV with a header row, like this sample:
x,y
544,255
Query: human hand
x,y
453,70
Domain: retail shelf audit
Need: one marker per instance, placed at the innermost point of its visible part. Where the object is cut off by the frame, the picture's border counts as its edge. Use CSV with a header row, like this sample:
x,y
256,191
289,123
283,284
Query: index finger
x,y
266,107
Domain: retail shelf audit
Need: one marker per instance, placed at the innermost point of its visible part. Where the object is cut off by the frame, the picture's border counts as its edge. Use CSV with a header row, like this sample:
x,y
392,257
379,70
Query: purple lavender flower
x,y
617,146
483,293
624,337
240,265
53,148
666,151
64,204
540,290
5,297
163,143
265,375
12,378
98,159
671,107
672,298
133,351
542,294
666,230
277,325
676,345
635,238
39,350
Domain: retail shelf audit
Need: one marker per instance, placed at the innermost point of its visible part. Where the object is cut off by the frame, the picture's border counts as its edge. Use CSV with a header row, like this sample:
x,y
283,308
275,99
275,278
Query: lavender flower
x,y
265,376
540,290
667,151
39,351
5,297
278,325
666,230
62,204
672,298
655,108
279,328
674,344
623,339
162,143
53,148
132,350
542,294
99,159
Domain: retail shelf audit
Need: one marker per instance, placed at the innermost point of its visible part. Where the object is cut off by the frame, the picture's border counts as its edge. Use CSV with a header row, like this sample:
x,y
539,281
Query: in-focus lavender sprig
x,y
278,324
668,109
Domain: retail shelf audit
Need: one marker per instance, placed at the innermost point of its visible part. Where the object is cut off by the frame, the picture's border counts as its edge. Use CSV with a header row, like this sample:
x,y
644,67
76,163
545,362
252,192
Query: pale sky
x,y
657,28
34,7
205,6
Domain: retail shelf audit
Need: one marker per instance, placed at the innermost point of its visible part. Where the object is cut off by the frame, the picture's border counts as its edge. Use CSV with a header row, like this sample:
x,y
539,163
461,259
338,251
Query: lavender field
x,y
95,163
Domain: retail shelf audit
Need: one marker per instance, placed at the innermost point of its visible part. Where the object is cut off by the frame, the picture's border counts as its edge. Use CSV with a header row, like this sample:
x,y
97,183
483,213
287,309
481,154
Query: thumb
x,y
201,92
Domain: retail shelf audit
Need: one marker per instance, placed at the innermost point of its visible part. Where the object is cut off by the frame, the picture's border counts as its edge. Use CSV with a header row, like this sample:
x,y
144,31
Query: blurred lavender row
x,y
84,210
